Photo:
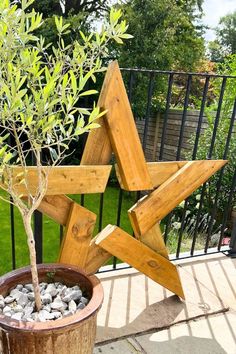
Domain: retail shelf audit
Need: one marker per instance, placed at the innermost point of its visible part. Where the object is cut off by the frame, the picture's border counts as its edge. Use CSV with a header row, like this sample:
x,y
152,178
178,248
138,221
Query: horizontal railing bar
x,y
184,255
177,73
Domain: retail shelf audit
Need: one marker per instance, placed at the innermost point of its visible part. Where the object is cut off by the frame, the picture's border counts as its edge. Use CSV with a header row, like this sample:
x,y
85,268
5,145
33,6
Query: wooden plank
x,y
96,258
98,148
78,233
159,171
162,171
123,134
141,257
65,179
154,240
160,202
56,207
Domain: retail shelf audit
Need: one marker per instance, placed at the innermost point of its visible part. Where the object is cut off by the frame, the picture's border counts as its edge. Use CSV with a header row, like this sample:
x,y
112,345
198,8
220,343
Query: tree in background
x,y
167,34
69,7
225,42
226,116
75,12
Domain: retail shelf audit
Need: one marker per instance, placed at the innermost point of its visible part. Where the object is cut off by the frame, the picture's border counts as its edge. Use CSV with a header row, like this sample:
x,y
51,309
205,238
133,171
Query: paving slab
x,y
125,346
218,274
212,335
135,304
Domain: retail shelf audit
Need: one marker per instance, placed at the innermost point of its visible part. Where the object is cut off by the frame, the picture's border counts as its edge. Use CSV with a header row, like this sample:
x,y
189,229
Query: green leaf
x,y
83,36
59,23
89,92
26,3
94,126
67,25
73,82
126,36
7,157
118,40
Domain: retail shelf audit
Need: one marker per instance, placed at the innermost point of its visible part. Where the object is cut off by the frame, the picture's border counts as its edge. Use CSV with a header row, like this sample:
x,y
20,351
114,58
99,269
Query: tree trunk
x,y
33,264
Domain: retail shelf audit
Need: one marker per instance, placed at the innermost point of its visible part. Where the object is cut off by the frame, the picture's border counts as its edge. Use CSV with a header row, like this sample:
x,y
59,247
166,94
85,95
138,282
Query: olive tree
x,y
40,101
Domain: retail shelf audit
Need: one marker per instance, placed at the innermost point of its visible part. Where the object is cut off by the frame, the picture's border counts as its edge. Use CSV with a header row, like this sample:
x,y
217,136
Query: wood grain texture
x,y
98,148
158,171
125,247
118,127
123,134
56,207
78,234
154,240
96,258
160,202
64,179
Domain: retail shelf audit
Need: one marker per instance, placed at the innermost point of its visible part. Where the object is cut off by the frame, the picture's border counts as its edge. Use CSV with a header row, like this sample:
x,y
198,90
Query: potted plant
x,y
40,114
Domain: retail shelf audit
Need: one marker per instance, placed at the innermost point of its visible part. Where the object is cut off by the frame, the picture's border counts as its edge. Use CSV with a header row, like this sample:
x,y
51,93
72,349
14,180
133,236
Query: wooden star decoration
x,y
169,183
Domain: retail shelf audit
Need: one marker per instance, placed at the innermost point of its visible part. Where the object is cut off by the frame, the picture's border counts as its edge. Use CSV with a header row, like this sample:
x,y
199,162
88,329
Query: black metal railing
x,y
153,95
230,136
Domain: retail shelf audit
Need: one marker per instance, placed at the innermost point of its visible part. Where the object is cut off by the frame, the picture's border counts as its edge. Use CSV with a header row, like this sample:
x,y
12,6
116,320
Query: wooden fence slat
x,y
125,247
161,201
65,179
78,233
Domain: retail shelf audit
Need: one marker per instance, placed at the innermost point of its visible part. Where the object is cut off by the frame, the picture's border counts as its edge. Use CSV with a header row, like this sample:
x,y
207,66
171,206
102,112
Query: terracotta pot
x,y
71,335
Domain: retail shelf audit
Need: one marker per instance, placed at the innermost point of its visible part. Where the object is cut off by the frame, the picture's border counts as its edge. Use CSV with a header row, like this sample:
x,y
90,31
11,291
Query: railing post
x,y
232,245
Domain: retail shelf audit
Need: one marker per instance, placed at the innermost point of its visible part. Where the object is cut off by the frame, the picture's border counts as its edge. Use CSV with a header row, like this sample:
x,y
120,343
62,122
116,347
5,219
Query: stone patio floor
x,y
139,316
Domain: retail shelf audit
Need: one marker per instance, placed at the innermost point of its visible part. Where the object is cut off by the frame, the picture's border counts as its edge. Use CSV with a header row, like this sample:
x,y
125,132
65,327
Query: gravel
x,y
58,301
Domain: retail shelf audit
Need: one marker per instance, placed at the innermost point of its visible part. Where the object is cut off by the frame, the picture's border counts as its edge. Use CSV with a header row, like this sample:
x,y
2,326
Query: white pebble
x,y
19,286
45,315
67,313
8,314
46,299
29,287
15,293
17,316
47,307
57,314
72,295
31,296
72,306
81,306
9,299
28,311
57,304
84,300
51,289
23,300
7,309
17,308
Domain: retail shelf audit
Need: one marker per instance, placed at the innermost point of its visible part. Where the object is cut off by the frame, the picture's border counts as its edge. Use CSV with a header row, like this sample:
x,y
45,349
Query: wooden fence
x,y
154,134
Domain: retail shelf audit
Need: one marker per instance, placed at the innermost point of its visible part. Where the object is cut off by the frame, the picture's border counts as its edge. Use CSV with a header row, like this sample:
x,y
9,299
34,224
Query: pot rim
x,y
91,308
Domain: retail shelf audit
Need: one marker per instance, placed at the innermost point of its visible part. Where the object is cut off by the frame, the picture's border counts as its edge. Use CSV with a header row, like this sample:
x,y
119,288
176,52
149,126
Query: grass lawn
x,y
51,230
